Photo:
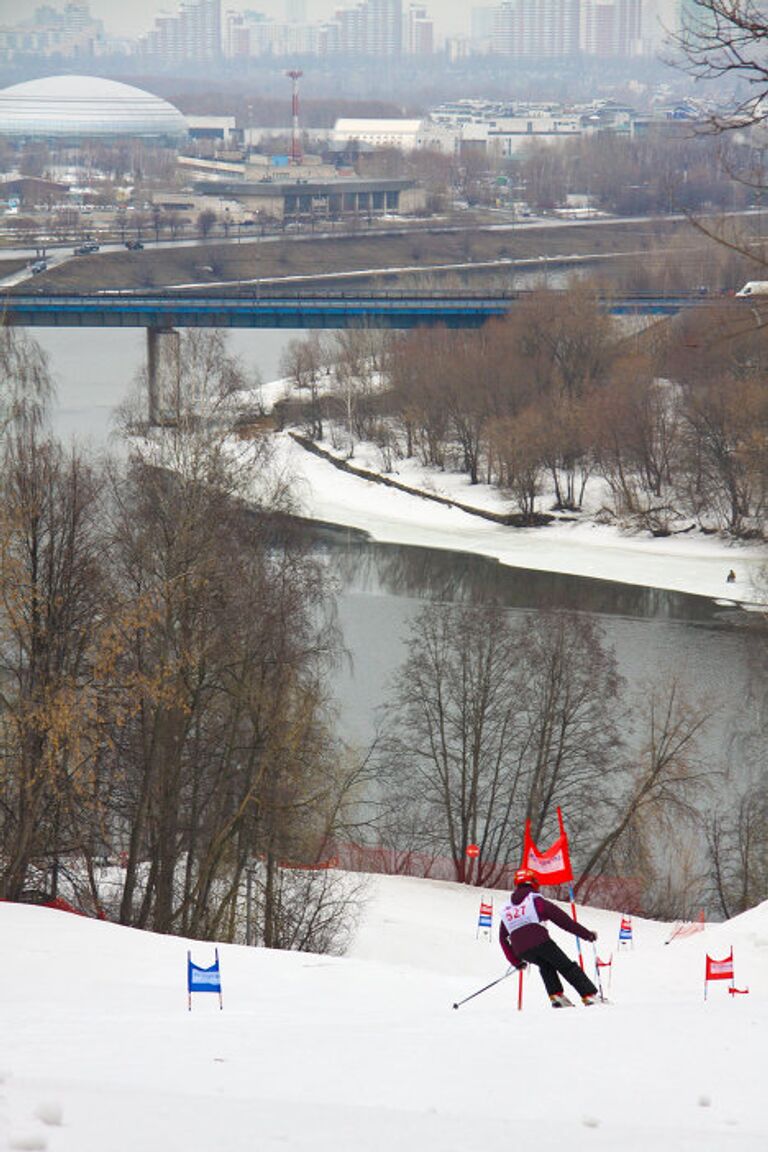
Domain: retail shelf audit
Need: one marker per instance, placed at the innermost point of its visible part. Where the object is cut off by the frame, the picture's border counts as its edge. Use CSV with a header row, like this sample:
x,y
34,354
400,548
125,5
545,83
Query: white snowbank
x,y
684,563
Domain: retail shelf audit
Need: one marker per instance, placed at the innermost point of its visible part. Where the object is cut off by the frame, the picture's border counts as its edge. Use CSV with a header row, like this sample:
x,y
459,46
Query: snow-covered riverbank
x,y
690,562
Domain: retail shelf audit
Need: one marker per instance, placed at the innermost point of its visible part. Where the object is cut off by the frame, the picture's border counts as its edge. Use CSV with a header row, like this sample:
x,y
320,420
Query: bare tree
x,y
53,704
206,221
227,756
652,802
494,720
726,471
25,381
737,839
725,39
303,362
566,338
519,457
451,745
635,431
567,698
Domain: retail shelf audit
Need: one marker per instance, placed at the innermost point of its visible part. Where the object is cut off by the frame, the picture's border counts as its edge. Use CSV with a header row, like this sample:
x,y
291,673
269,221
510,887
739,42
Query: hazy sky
x,y
137,16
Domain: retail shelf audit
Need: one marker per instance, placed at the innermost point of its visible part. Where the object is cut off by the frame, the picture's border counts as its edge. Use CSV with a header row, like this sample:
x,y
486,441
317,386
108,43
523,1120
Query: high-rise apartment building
x,y
419,31
201,22
70,31
193,34
612,27
608,28
385,27
537,27
373,27
351,30
253,34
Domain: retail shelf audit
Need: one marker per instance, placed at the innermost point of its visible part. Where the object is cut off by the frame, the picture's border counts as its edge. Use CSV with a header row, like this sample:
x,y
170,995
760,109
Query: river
x,y
654,633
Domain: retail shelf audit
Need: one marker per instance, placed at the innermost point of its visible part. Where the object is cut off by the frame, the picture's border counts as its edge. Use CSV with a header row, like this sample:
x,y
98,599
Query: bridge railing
x,y
253,294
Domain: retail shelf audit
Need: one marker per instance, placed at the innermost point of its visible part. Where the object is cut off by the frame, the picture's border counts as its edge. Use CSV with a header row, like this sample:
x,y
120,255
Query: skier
x,y
525,940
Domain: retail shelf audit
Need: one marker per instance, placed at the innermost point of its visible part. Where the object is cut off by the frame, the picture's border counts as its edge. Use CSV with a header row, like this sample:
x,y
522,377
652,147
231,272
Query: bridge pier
x,y
162,369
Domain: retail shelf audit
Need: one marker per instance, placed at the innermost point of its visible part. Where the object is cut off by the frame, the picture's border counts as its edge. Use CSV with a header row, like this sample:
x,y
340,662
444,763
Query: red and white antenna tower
x,y
295,136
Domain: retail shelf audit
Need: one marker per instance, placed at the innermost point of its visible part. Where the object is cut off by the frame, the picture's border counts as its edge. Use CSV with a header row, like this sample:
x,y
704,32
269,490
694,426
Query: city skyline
x,y
451,17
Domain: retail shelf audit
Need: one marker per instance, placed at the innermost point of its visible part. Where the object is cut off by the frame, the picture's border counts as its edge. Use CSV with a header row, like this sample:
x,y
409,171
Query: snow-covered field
x,y
682,563
364,1053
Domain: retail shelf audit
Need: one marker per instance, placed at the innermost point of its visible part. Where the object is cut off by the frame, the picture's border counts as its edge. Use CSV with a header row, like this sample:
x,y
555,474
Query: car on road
x,y
134,245
87,248
39,266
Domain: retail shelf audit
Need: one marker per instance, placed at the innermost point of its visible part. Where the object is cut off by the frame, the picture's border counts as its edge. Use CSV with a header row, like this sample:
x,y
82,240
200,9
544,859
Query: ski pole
x,y
520,990
597,972
481,990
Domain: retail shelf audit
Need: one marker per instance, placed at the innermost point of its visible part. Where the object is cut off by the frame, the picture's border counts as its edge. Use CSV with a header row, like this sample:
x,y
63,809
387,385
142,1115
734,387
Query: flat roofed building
x,y
31,190
320,199
403,134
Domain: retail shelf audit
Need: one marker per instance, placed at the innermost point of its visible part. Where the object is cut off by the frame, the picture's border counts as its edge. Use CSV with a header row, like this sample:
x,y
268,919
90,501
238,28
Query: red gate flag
x,y
720,969
604,964
552,866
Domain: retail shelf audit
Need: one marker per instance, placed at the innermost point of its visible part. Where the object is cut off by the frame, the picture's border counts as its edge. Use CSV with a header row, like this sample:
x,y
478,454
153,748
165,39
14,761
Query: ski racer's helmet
x,y
526,876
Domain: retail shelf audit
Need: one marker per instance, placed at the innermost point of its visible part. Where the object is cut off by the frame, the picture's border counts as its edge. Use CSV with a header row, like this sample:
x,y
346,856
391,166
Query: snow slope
x,y
364,1053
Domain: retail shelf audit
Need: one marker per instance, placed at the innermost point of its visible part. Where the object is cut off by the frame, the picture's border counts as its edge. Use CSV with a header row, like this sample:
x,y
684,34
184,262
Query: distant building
x,y
317,200
402,134
30,190
371,27
545,28
505,136
69,32
385,27
252,34
612,27
220,129
193,34
419,36
77,108
537,28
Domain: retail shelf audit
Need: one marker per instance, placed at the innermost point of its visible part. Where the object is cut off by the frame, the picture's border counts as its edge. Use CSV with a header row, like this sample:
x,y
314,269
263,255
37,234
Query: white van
x,y
754,288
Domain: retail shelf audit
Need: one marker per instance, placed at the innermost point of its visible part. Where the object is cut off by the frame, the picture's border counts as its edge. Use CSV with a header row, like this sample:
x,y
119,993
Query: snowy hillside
x,y
364,1053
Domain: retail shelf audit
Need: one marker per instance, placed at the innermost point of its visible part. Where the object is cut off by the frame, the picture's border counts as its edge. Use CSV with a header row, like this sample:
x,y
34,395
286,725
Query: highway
x,y
58,252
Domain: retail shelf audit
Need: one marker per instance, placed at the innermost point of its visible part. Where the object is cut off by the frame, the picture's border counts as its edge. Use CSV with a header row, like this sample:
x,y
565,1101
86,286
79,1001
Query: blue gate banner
x,y
203,979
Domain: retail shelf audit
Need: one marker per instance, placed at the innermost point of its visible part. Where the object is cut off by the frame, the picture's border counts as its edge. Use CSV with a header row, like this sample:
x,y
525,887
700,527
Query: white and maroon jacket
x,y
521,927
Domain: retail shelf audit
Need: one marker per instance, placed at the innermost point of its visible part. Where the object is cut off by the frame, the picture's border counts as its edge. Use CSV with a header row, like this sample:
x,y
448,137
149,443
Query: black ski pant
x,y
551,960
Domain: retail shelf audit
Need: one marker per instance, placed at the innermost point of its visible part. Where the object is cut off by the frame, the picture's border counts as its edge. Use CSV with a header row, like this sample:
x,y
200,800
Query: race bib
x,y
518,915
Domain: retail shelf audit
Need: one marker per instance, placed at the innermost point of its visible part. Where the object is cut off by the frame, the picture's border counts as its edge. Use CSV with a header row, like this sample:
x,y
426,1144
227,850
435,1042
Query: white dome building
x,y
76,108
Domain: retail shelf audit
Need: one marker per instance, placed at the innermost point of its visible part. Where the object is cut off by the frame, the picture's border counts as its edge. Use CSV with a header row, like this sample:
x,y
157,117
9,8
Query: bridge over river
x,y
162,313
327,309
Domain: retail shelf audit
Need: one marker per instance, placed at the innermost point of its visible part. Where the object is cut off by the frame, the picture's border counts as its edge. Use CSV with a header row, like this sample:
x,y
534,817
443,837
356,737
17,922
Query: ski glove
x,y
592,937
521,966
